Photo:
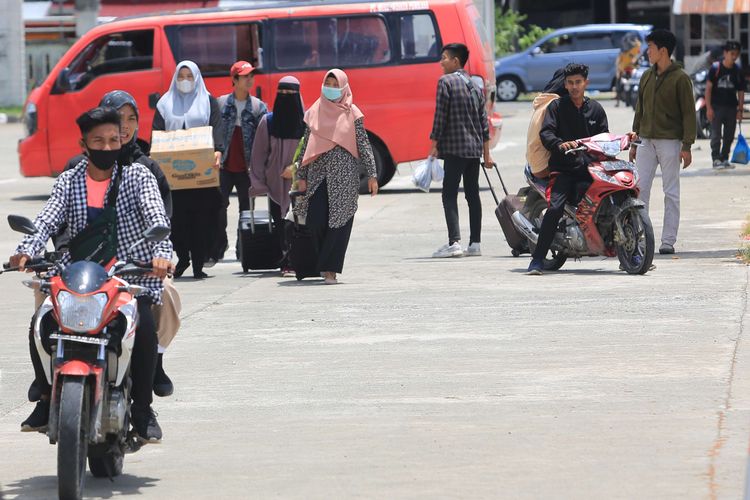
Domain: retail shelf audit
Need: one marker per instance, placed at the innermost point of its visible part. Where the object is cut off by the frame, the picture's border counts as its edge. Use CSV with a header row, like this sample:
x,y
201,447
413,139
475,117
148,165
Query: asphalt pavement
x,y
425,378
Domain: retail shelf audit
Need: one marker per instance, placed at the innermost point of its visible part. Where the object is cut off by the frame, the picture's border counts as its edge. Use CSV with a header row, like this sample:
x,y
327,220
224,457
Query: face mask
x,y
332,93
185,86
103,159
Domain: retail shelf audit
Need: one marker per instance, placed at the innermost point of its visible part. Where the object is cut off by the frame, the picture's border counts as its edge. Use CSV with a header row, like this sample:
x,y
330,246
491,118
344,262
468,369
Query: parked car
x,y
596,45
390,51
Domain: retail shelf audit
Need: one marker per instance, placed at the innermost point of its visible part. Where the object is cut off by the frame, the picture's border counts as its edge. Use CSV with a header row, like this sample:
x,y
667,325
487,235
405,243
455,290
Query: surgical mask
x,y
185,86
332,93
103,159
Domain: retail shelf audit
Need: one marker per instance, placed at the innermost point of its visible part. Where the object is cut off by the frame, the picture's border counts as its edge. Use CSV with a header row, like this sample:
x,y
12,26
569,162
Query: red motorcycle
x,y
84,333
609,220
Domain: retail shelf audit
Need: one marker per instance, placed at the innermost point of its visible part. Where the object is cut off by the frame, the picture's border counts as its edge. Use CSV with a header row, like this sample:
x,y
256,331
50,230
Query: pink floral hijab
x,y
332,123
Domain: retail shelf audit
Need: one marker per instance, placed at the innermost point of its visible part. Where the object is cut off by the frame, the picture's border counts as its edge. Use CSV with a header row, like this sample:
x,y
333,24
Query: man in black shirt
x,y
725,95
569,118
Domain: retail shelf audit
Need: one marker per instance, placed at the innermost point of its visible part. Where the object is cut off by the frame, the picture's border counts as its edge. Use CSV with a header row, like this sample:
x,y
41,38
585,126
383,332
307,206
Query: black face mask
x,y
103,159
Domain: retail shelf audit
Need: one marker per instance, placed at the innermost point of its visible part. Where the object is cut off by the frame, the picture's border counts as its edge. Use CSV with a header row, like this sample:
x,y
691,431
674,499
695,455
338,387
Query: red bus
x,y
390,50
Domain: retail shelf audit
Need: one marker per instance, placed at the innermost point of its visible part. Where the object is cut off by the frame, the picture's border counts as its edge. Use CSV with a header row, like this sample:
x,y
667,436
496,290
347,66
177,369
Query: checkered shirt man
x,y
139,205
460,126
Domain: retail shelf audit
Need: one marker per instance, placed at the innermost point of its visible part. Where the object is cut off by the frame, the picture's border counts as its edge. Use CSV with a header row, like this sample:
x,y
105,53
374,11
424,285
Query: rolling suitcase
x,y
303,253
258,240
504,211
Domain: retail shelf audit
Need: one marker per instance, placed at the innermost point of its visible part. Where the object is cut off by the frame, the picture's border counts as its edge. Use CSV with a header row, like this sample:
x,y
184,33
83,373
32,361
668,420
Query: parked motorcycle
x,y
701,110
609,220
84,333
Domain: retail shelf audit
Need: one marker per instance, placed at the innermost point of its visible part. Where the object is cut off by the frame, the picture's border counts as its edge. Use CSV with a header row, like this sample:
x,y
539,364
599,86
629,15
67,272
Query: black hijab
x,y
287,121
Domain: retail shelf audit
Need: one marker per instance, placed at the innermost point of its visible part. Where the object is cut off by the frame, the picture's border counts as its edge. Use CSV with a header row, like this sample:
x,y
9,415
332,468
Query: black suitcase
x,y
504,211
303,253
258,240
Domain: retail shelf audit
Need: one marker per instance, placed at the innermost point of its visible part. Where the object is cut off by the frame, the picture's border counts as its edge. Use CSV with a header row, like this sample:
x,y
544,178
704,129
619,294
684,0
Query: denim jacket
x,y
254,110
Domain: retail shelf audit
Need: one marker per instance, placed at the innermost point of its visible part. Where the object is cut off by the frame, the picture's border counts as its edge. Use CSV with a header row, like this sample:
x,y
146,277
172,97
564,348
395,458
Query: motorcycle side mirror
x,y
62,83
536,51
21,224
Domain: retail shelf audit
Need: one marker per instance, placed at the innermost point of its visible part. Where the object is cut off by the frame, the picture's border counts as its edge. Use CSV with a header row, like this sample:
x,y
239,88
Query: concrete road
x,y
422,378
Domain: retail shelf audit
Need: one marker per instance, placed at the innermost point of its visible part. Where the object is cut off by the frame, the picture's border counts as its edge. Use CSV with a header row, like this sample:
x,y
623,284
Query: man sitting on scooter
x,y
569,118
83,197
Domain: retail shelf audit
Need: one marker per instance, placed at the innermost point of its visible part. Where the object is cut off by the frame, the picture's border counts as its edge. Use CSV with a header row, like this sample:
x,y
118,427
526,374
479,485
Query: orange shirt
x,y
95,193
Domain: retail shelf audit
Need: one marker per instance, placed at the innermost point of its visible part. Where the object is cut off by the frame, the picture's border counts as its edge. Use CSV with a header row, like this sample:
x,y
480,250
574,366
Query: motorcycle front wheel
x,y
636,249
73,437
554,259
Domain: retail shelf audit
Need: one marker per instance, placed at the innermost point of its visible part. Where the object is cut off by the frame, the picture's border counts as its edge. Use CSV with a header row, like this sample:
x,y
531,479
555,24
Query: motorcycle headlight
x,y
81,313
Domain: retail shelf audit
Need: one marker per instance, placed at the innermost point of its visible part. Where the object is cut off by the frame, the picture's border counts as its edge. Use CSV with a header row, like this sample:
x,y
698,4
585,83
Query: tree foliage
x,y
511,35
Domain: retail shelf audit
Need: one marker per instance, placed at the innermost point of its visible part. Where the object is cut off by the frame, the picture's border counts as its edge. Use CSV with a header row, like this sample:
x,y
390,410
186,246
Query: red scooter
x,y
84,333
609,220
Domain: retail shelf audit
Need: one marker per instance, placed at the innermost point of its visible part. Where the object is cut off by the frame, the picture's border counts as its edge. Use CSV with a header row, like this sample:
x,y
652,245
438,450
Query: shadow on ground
x,y
44,487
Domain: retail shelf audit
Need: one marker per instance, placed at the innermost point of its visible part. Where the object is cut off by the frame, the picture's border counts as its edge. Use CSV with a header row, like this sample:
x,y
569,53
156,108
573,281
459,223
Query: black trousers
x,y
567,186
331,243
142,362
722,131
230,180
280,225
195,215
468,168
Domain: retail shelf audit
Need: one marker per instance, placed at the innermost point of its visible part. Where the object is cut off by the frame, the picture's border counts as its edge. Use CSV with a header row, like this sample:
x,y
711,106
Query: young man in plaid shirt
x,y
79,197
460,136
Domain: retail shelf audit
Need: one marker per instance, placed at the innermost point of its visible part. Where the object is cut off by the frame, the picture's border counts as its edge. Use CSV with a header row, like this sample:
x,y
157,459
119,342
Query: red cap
x,y
241,68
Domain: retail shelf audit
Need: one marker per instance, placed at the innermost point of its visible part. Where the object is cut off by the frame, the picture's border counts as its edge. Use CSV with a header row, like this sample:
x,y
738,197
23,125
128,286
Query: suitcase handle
x,y
252,213
293,195
489,183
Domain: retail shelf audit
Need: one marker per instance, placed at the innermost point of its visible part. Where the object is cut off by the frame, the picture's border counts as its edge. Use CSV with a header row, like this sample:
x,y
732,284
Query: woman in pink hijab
x,y
335,150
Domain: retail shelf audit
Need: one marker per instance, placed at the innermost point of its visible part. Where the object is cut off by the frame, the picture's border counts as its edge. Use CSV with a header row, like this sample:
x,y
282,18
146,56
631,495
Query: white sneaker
x,y
727,164
473,250
453,250
718,164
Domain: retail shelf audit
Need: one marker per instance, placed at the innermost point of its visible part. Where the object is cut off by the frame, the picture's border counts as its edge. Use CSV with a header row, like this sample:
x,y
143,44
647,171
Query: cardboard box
x,y
186,157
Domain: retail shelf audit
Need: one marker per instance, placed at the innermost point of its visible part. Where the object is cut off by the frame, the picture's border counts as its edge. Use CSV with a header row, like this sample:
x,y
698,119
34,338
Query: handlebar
x,y
136,268
36,264
571,151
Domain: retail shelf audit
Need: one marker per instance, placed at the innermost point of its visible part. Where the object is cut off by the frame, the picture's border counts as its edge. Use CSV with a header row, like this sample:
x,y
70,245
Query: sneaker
x,y
453,250
536,267
209,263
145,424
163,385
718,164
666,249
37,421
200,275
473,250
727,165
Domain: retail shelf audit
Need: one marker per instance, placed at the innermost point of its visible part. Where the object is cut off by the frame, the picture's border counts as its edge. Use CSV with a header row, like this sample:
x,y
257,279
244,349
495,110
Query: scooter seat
x,y
542,183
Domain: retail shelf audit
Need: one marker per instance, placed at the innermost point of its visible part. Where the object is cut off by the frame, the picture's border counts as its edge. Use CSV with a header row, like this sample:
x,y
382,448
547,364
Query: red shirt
x,y
236,161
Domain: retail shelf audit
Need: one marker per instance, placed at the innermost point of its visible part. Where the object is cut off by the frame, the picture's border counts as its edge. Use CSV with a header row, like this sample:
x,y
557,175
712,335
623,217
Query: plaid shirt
x,y
139,206
460,126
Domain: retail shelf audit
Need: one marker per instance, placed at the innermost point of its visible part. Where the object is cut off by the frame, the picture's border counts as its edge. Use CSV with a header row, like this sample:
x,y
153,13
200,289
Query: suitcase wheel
x,y
244,269
515,253
299,278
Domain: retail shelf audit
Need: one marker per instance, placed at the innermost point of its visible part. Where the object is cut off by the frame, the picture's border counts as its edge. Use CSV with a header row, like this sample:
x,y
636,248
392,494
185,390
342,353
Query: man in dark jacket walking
x,y
569,118
665,121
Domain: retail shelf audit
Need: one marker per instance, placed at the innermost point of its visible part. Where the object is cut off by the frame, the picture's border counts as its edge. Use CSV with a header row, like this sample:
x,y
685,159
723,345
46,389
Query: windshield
x,y
84,277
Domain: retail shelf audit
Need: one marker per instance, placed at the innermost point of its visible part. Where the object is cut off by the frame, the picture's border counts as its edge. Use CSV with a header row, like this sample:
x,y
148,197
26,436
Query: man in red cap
x,y
240,115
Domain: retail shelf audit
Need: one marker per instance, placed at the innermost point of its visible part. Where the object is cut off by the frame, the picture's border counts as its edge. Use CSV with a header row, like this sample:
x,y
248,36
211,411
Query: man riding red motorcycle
x,y
568,118
107,208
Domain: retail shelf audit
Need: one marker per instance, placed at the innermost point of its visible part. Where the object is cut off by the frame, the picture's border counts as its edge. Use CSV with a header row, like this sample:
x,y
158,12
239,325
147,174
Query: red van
x,y
390,50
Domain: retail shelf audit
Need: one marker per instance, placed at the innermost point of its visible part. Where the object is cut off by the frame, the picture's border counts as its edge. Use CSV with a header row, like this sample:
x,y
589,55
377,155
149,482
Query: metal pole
x,y
613,11
12,54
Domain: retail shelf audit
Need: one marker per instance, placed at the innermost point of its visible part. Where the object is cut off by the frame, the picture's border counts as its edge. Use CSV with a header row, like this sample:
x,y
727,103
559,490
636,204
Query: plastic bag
x,y
741,150
422,176
437,169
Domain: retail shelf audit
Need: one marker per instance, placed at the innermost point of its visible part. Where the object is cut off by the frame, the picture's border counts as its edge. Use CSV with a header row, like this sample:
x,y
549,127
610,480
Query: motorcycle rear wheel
x,y
636,253
73,437
556,258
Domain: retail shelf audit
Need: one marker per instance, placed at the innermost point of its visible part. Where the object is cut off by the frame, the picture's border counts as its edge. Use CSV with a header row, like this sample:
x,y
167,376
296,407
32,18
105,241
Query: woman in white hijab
x,y
188,104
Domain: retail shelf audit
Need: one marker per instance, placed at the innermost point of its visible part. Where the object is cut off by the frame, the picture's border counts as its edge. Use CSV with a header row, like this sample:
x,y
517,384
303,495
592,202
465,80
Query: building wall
x,y
12,55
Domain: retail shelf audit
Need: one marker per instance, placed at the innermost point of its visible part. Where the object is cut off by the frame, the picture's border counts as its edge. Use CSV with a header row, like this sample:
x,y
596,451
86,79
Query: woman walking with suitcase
x,y
275,143
188,104
335,145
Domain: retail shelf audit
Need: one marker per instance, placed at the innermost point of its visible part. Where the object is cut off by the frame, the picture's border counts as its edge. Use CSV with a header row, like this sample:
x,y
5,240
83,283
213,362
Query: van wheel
x,y
508,88
383,165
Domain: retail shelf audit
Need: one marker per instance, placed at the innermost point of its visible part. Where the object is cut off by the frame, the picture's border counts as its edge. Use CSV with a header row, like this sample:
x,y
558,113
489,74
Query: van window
x,y
419,37
331,42
215,47
562,43
113,53
594,41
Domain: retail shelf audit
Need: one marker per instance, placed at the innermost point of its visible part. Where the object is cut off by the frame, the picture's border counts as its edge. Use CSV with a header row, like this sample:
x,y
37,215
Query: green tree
x,y
511,35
